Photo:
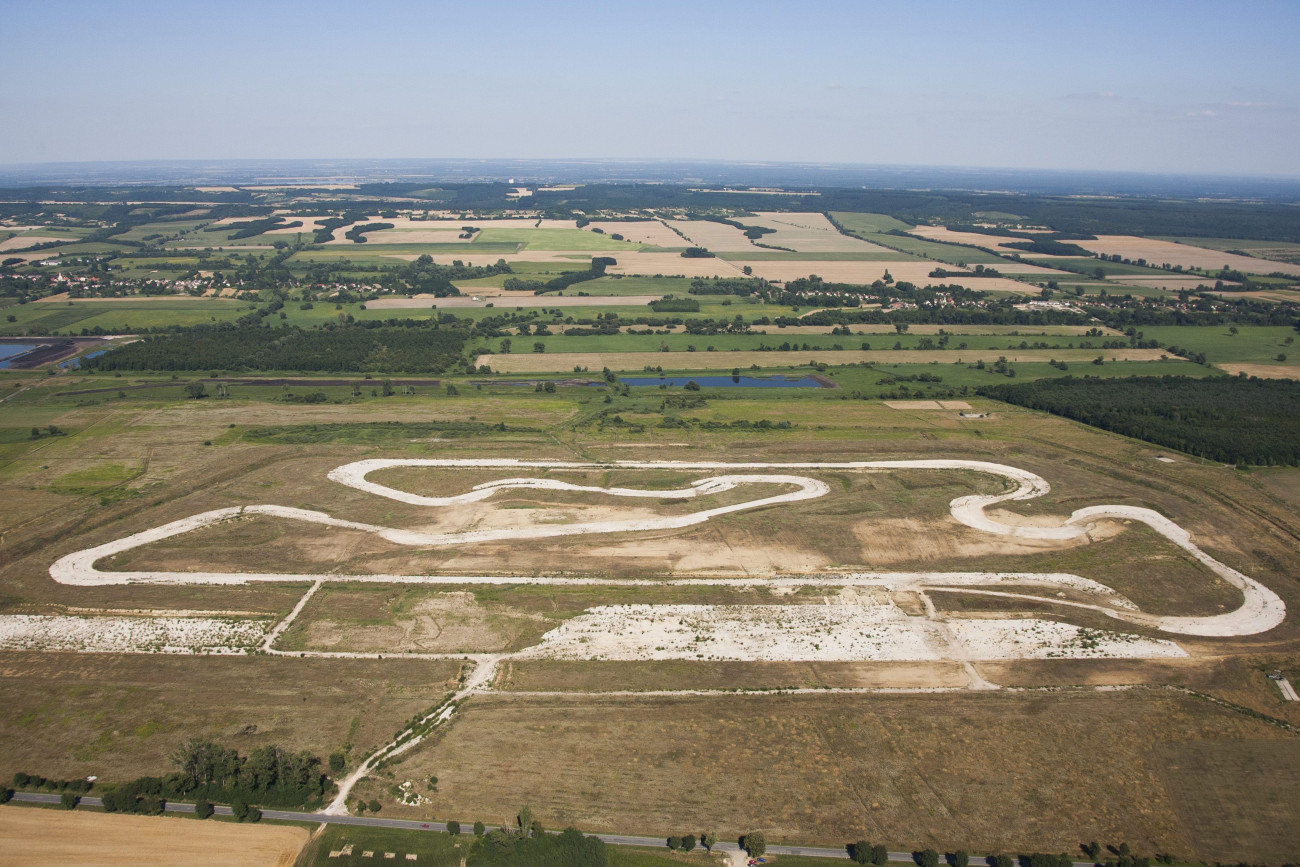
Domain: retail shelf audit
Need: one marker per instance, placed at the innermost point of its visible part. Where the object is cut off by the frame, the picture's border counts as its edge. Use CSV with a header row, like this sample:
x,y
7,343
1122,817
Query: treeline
x,y
405,348
508,848
1234,420
357,234
252,228
726,286
565,280
669,304
268,775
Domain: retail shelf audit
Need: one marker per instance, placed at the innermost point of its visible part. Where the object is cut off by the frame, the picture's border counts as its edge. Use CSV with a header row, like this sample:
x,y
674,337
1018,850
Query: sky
x,y
1172,87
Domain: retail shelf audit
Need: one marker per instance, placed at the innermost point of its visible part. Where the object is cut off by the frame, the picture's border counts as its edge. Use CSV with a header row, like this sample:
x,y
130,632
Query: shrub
x,y
453,828
203,808
479,829
69,800
674,843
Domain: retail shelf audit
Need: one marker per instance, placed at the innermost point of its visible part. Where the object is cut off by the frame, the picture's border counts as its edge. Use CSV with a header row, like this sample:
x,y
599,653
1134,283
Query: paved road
x,y
411,825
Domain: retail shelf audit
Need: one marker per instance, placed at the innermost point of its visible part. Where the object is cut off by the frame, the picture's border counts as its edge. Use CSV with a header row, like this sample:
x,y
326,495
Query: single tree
x,y
879,854
69,800
338,762
688,843
959,858
525,820
375,806
860,852
479,828
203,808
754,843
926,858
710,839
453,828
674,843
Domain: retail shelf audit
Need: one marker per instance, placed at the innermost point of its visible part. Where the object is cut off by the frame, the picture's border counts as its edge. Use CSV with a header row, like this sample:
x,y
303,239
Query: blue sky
x,y
1196,87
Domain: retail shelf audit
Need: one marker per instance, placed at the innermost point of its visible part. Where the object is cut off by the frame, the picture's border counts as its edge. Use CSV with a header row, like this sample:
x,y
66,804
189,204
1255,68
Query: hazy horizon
x,y
1194,88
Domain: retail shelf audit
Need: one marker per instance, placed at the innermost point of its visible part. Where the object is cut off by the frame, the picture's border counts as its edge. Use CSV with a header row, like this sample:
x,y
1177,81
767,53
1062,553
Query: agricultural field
x,y
740,539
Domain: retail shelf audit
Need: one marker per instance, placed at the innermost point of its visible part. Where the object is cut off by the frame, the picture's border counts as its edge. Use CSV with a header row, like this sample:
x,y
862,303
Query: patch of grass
x,y
433,848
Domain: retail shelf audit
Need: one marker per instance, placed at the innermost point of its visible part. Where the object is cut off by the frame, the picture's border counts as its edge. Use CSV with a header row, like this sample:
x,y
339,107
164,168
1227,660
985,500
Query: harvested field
x,y
651,232
913,271
996,243
637,361
988,772
1264,371
1158,253
674,265
1169,284
715,237
35,836
19,241
808,233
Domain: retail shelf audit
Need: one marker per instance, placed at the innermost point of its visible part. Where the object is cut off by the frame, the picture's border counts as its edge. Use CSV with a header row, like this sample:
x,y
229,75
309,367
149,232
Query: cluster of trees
x,y
32,781
726,286
687,842
326,228
670,304
528,843
696,253
414,348
269,774
357,234
1235,420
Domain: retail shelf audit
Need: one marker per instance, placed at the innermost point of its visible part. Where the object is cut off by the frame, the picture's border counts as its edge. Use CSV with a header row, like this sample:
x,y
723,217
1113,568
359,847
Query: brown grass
x,y
1158,253
1265,371
550,675
999,772
118,716
35,836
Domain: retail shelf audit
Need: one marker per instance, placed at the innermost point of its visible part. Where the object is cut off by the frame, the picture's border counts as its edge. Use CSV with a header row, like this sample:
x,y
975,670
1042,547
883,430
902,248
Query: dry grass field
x,y
35,836
715,237
913,271
1027,772
1160,252
118,716
642,232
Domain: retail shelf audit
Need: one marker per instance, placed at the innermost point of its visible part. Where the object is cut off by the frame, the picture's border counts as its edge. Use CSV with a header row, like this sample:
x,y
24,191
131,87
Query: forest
x,y
1234,420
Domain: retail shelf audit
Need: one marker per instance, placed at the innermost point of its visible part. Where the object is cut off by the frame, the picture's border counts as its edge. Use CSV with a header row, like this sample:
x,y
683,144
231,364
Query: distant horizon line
x,y
649,161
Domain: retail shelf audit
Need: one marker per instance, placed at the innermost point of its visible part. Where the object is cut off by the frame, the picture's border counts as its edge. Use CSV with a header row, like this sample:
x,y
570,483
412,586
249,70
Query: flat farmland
x,y
715,237
868,224
35,836
1189,256
988,772
808,233
651,232
913,271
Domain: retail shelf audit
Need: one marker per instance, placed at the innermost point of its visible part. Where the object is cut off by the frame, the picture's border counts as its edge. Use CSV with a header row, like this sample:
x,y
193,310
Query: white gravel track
x,y
1261,609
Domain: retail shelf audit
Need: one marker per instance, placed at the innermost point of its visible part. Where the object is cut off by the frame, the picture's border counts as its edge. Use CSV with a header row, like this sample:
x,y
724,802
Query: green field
x,y
868,224
1253,344
114,316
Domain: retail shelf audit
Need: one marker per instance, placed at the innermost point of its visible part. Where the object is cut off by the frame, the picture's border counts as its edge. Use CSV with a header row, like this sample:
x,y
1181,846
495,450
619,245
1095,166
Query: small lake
x,y
725,381
76,362
9,350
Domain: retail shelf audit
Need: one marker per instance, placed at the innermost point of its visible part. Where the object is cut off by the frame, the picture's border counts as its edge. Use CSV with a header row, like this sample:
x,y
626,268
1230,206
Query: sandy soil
x,y
1158,253
128,634
34,836
831,632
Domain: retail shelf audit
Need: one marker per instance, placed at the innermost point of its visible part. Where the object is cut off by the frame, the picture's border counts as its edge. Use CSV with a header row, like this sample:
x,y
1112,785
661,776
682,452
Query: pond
x,y
11,350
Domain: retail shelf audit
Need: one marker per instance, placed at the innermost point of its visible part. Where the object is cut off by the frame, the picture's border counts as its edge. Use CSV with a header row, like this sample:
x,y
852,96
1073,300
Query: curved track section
x,y
1261,610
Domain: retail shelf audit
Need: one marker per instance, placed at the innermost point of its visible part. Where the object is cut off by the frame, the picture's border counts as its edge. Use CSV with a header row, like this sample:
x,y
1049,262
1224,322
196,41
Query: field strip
x,y
1261,610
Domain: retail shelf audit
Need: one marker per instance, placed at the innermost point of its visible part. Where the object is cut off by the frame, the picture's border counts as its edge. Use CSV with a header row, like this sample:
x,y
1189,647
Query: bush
x,y
688,842
674,843
338,762
375,806
203,808
926,858
69,800
479,829
453,828
6,795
